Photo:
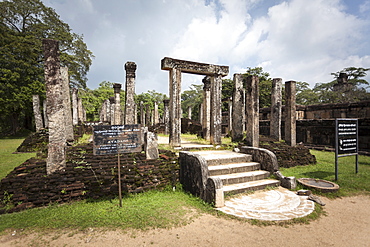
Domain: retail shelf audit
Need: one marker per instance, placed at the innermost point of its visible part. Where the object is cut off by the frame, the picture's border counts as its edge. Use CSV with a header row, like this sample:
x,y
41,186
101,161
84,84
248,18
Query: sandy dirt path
x,y
347,224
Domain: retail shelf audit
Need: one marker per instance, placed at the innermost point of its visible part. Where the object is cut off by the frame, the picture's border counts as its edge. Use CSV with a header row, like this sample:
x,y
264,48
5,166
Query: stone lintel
x,y
190,67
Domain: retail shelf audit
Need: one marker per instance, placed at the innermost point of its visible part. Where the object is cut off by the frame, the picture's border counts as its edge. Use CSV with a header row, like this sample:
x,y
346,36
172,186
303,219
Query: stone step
x,y
250,186
243,177
233,168
222,157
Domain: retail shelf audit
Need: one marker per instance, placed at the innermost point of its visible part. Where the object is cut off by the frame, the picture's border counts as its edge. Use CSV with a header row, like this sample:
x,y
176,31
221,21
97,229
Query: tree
x,y
149,98
92,100
192,98
330,93
265,85
305,95
23,25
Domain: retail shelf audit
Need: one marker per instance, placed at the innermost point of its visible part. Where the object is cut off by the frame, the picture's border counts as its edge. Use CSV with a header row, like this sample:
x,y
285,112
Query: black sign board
x,y
346,140
111,139
346,136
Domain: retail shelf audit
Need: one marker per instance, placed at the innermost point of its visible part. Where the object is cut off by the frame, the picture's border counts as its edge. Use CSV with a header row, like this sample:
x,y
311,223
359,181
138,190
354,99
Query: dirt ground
x,y
347,224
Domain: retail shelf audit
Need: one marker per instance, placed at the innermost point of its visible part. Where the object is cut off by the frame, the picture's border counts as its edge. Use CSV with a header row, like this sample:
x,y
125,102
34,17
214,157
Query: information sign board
x,y
111,139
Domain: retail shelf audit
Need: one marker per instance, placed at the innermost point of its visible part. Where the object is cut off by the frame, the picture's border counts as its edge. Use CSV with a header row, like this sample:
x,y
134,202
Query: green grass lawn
x,y
350,183
160,209
8,160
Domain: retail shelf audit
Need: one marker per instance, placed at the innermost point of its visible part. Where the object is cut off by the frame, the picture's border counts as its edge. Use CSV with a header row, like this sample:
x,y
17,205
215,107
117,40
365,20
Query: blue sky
x,y
297,40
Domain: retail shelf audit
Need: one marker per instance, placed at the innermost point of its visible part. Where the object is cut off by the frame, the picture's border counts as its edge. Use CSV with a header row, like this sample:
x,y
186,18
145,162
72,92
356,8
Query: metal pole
x,y
336,149
119,179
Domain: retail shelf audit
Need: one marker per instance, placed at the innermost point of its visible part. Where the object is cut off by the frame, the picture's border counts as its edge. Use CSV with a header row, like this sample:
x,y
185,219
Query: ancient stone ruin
x,y
215,73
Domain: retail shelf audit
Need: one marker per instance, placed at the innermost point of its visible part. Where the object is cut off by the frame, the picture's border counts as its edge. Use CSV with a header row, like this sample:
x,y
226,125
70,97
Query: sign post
x,y
346,140
117,139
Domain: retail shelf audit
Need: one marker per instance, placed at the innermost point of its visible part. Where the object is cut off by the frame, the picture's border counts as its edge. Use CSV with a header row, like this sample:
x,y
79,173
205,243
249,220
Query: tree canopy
x,y
23,25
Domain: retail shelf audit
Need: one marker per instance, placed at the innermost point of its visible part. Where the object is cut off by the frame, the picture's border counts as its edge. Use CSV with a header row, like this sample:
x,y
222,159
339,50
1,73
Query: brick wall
x,y
86,176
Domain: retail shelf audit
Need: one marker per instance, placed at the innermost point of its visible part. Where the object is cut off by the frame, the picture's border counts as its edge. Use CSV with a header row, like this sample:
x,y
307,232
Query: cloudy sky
x,y
301,40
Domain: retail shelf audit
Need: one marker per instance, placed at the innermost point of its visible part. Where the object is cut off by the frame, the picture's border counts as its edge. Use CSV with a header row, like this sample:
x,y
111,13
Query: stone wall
x,y
322,132
86,176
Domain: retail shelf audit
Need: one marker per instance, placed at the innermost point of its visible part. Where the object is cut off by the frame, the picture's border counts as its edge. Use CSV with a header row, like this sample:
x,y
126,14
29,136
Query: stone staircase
x,y
237,171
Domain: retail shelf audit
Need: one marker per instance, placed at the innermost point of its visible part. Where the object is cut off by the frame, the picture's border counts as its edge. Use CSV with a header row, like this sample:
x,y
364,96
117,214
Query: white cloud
x,y
293,39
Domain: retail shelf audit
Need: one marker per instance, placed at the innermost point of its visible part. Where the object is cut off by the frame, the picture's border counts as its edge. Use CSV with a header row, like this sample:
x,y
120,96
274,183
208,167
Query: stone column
x,y
275,117
175,108
216,114
252,113
189,112
54,108
166,116
135,114
117,104
142,114
67,103
290,113
230,115
46,122
103,116
112,109
201,113
36,112
74,106
156,114
129,115
237,109
206,123
147,115
80,110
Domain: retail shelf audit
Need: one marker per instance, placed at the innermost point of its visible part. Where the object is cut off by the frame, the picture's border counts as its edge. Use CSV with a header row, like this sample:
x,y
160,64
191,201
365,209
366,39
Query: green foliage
x,y
92,100
148,100
356,90
23,25
192,98
265,85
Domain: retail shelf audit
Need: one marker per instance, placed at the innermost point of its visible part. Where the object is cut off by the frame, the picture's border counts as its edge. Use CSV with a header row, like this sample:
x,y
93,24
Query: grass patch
x,y
153,209
350,183
8,160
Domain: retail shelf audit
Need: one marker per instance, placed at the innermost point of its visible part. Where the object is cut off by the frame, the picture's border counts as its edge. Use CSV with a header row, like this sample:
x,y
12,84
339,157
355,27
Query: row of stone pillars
x,y
245,108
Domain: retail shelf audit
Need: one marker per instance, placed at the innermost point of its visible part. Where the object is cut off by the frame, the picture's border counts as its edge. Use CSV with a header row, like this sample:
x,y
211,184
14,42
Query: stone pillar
x,y
252,113
175,108
166,116
135,114
206,123
46,122
112,109
290,113
142,114
117,104
54,108
36,112
189,112
156,114
147,115
129,115
230,115
67,103
275,117
80,110
237,109
216,114
103,115
74,106
201,113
